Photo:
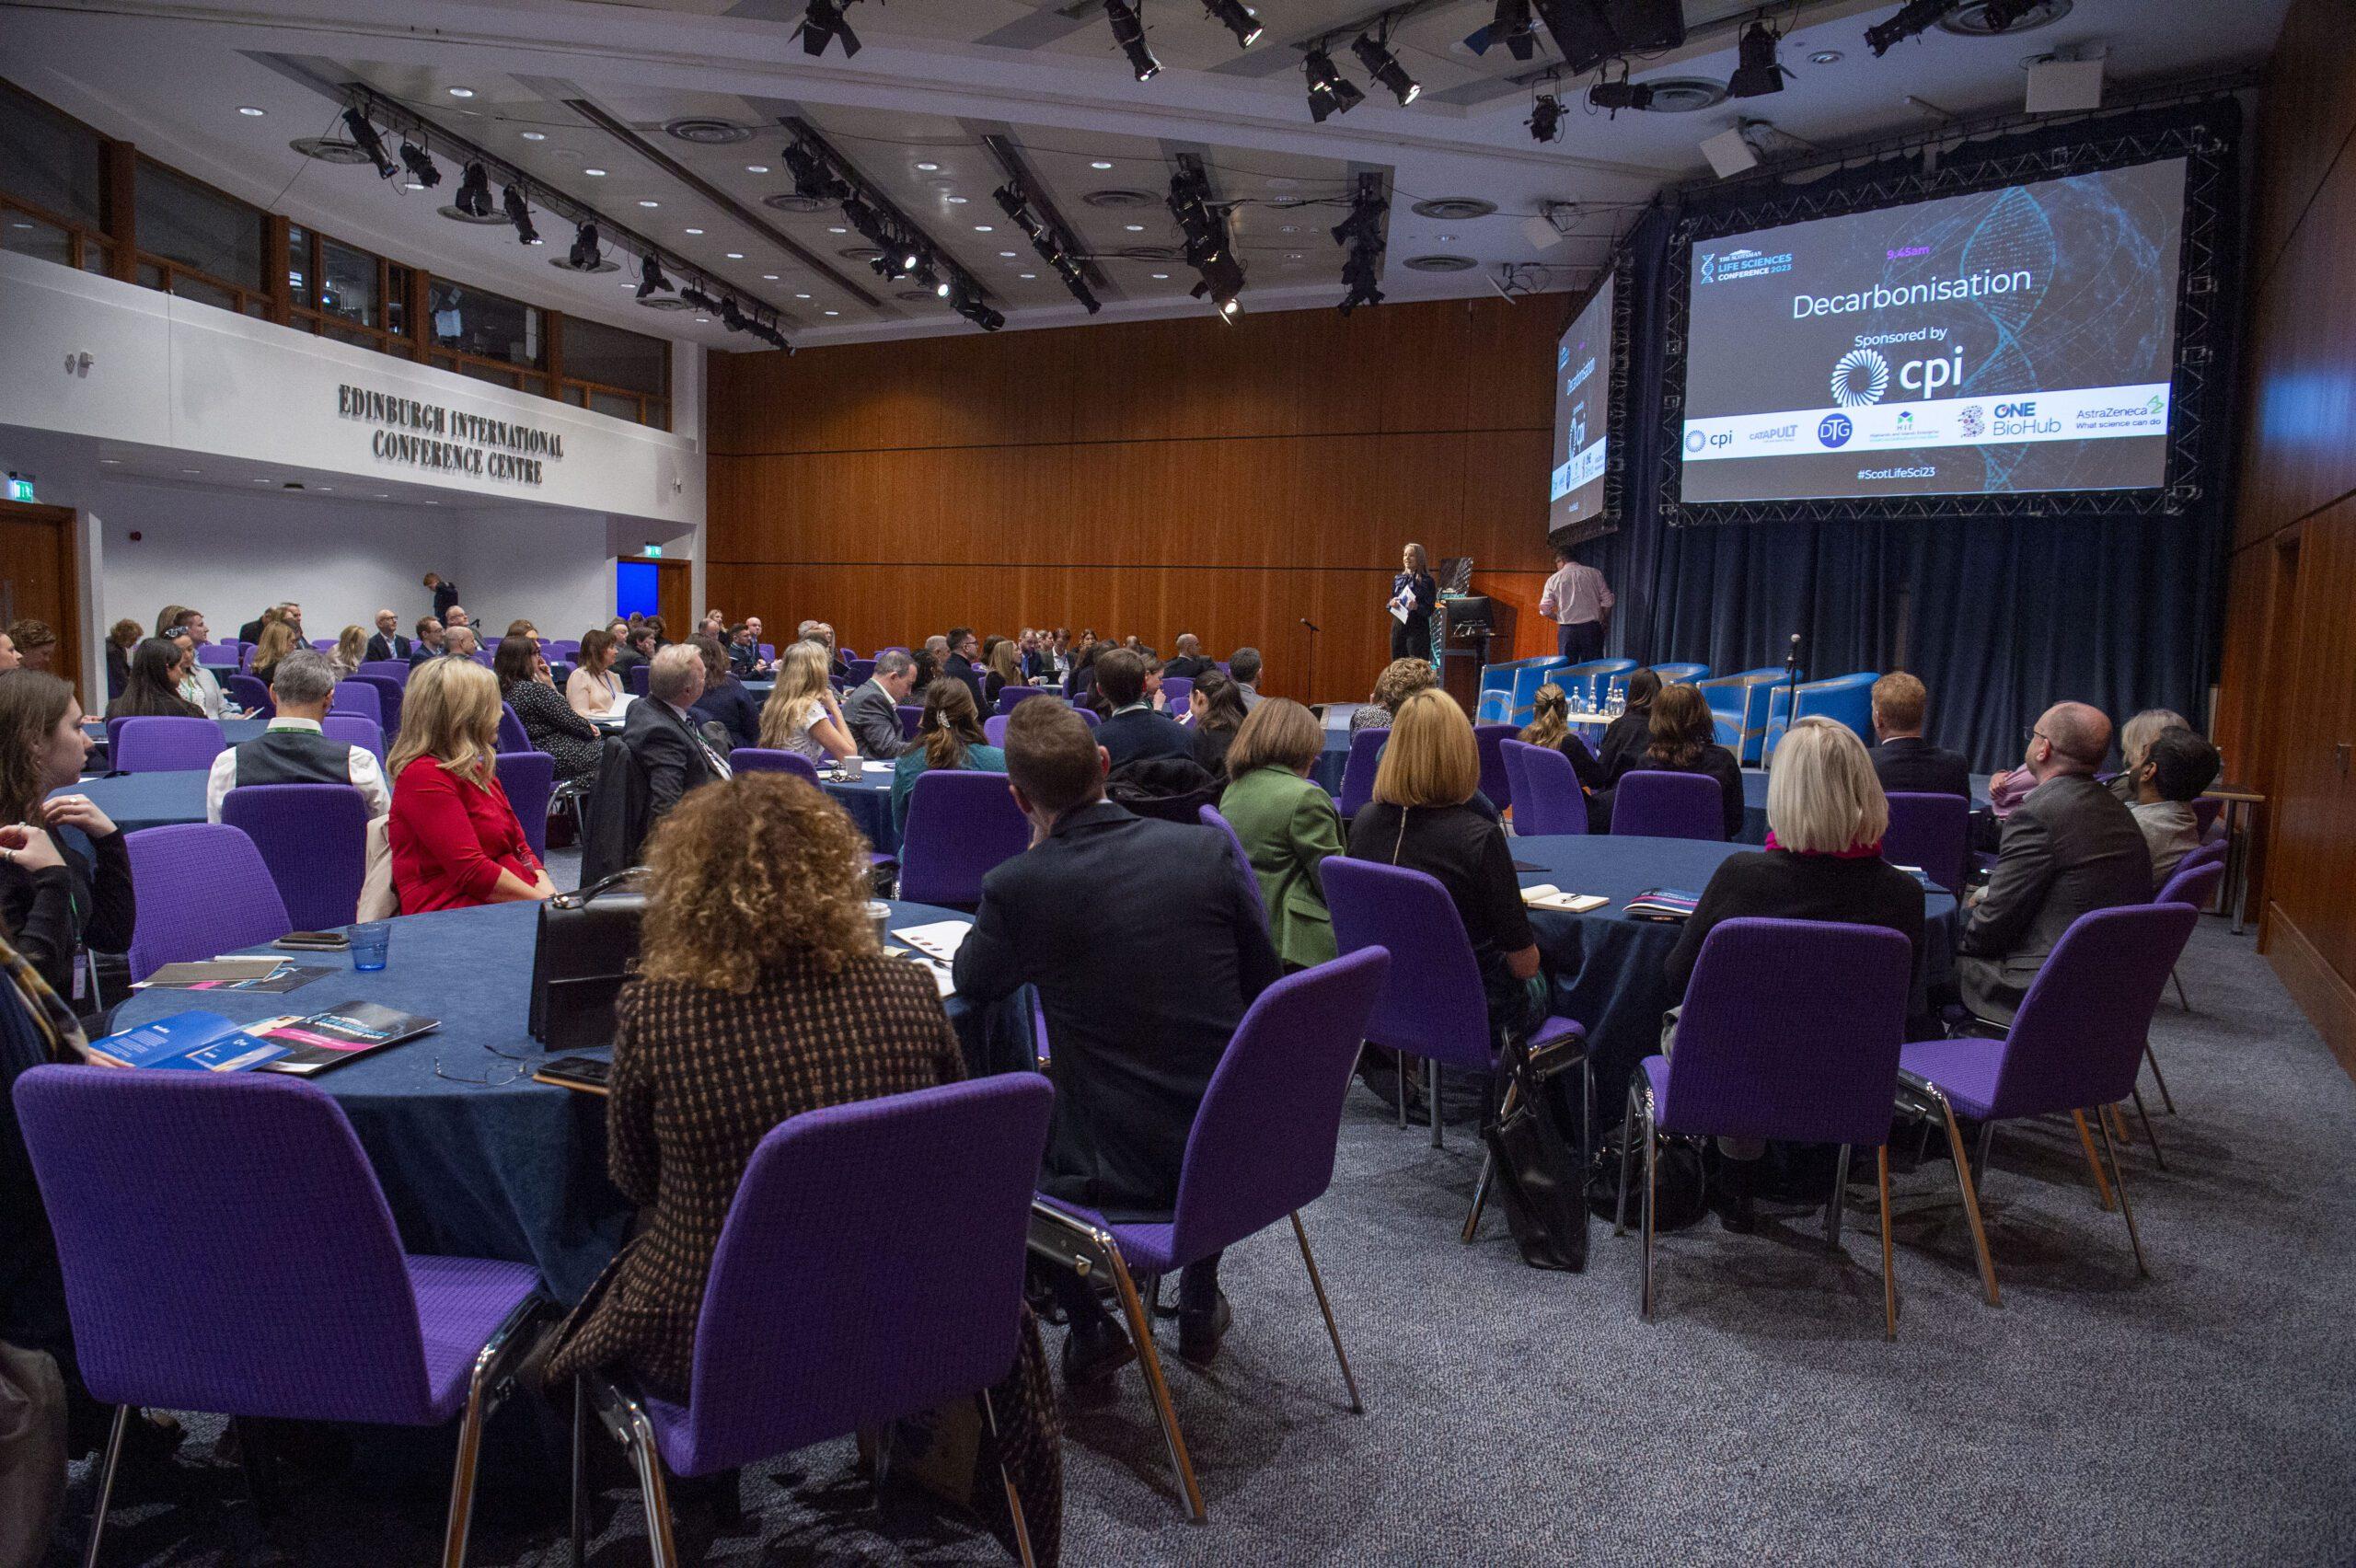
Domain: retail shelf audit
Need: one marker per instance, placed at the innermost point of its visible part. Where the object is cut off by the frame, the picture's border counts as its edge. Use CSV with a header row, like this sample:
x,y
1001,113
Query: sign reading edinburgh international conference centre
x,y
448,440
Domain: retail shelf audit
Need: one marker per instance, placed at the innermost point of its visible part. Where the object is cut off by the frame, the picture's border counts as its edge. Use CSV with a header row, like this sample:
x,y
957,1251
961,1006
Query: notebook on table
x,y
1662,904
1546,895
270,975
206,1041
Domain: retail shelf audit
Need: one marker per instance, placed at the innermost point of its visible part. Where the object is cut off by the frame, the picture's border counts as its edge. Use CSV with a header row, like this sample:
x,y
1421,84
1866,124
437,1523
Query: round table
x,y
1608,967
146,799
477,1159
1754,801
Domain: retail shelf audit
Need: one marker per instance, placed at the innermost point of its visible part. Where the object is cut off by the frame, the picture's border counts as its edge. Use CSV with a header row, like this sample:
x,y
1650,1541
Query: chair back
x,y
163,744
1931,831
768,651
226,1246
961,825
1676,675
393,670
1176,691
323,645
250,692
1791,1030
1547,796
870,1267
636,679
559,649
355,730
1211,818
388,700
1497,782
1014,695
911,718
1088,716
314,840
1432,1003
2203,855
512,737
220,654
861,669
1739,708
2078,1038
1844,699
204,889
1590,679
761,759
1654,802
528,778
1358,773
2195,886
1262,1145
356,695
994,729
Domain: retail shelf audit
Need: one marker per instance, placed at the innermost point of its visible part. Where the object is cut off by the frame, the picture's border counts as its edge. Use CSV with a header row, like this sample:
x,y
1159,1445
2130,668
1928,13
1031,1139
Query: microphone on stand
x,y
1310,624
1313,660
1791,695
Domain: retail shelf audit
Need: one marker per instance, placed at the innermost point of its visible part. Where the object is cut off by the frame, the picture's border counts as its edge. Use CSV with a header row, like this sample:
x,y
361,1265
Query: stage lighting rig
x,y
814,179
422,169
1128,31
1912,17
365,137
1614,96
474,191
1374,54
1238,18
1545,119
1329,92
519,212
651,279
585,256
1207,248
823,24
1513,27
1361,232
1016,204
1758,74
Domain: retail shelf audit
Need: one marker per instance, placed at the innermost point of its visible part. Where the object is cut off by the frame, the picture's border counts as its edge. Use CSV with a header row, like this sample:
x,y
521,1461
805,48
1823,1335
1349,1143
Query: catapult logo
x,y
1774,435
1835,430
1860,378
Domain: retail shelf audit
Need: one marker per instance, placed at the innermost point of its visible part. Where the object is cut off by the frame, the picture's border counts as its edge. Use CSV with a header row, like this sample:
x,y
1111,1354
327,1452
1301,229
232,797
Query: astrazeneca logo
x,y
1835,430
1861,377
1970,422
1695,440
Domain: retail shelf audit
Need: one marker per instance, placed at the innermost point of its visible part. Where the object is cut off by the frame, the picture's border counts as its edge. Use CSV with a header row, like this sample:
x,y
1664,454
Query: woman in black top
x,y
1412,638
1625,737
158,667
724,697
121,639
55,899
1215,709
1680,728
549,722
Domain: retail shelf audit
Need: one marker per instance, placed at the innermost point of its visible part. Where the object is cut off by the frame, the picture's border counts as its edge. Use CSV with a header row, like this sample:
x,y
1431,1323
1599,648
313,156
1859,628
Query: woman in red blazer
x,y
455,839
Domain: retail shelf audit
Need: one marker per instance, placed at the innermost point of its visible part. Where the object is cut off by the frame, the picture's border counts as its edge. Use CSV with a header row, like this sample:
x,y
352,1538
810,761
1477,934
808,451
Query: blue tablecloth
x,y
1607,967
868,802
475,1159
146,799
1754,801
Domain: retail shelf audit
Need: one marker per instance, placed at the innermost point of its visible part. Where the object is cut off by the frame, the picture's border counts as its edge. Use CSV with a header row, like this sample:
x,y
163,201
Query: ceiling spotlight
x,y
585,256
1512,27
823,24
1383,66
1545,121
474,191
250,112
519,212
1329,92
1759,75
462,92
814,179
651,279
1128,31
1617,96
1237,18
365,137
731,314
420,165
535,136
1912,18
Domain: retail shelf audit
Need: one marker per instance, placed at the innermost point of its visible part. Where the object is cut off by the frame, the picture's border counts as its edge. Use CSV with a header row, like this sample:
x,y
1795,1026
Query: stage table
x,y
477,1159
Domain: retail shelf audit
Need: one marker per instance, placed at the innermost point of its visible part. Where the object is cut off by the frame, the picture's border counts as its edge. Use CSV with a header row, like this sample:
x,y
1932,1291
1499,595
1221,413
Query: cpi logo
x,y
1695,440
1860,378
1835,430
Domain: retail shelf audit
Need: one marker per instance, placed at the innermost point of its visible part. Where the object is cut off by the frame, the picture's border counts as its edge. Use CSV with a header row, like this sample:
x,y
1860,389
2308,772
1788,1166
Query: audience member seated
x,y
2135,738
1903,760
959,650
932,659
2178,766
1188,662
801,714
460,642
121,638
456,841
526,685
1132,730
1680,729
291,750
290,611
724,700
2068,848
1244,667
388,643
949,735
429,641
752,625
1038,655
744,652
819,632
1146,946
664,736
872,708
456,616
1624,739
58,900
1401,679
1289,826
1214,713
198,685
350,649
1004,669
638,647
9,658
592,689
1080,681
278,640
32,644
154,687
1550,726
1423,817
521,629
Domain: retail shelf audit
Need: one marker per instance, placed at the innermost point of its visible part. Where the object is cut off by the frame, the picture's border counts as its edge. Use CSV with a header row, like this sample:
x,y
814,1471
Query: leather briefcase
x,y
585,952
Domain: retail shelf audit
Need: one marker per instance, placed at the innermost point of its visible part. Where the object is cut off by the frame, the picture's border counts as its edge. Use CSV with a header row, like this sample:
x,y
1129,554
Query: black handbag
x,y
1540,1180
582,956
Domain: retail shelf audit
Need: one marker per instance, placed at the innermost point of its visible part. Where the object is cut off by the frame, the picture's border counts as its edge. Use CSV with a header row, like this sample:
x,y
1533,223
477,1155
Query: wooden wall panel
x,y
2309,111
2298,457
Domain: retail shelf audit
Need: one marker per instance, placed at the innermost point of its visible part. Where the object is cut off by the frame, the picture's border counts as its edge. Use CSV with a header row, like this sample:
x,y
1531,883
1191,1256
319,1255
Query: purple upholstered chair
x,y
961,823
202,889
389,700
1656,803
759,759
635,678
1012,695
163,745
1088,716
357,730
314,839
222,655
870,1268
1496,779
227,1248
250,693
512,737
1211,818
1358,772
994,729
911,717
2076,1043
1930,831
1790,1029
393,670
861,669
529,778
1261,1148
1547,797
358,696
1176,691
323,645
2194,883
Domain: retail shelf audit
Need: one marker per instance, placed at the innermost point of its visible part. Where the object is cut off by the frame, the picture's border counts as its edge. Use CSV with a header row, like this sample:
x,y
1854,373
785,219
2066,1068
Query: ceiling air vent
x,y
1455,209
328,149
1972,19
860,253
709,133
1686,95
1122,198
787,202
666,302
1441,263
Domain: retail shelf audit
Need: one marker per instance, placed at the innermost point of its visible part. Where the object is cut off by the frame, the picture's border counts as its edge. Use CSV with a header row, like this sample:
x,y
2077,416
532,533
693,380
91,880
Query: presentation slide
x,y
2010,343
1582,414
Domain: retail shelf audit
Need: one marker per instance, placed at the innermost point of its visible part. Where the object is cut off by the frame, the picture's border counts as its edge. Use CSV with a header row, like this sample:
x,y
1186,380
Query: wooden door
x,y
41,580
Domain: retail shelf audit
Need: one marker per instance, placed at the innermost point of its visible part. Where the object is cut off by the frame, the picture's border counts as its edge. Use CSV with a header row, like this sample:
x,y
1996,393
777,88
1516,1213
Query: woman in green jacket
x,y
1289,826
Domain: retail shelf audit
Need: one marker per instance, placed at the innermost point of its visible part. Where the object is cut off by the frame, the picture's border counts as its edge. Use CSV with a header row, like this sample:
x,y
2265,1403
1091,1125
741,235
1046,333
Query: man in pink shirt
x,y
1579,601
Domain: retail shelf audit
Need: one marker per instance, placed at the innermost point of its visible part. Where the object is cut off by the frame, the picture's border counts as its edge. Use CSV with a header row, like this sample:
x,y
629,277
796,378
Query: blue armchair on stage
x,y
1670,675
1507,689
1847,699
1738,703
1589,680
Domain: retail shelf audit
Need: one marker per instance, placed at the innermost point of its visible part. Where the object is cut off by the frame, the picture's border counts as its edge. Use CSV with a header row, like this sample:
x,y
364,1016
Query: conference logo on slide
x,y
1861,377
1835,430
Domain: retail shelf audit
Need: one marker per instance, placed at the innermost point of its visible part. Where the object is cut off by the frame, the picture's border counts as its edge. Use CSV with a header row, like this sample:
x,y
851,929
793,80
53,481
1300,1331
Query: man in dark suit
x,y
872,710
388,643
427,644
662,736
1134,1043
964,649
2070,848
1132,730
1189,663
1903,759
445,595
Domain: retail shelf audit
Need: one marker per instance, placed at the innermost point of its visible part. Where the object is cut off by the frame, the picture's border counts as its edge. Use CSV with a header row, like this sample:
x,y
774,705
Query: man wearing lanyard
x,y
1579,603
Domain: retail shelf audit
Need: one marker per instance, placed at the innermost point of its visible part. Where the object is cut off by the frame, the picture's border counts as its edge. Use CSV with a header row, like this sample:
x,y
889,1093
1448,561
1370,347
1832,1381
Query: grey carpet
x,y
1514,1416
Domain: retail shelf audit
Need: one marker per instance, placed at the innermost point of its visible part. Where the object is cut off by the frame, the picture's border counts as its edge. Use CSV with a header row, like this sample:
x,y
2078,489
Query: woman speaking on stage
x,y
1414,592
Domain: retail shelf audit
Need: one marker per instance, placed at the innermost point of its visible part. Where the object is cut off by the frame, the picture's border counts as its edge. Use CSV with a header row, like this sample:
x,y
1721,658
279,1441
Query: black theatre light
x,y
1383,66
1238,18
823,24
1512,27
1912,18
813,179
1759,75
1128,31
1620,95
1546,118
651,279
1329,92
585,256
474,191
422,169
365,137
519,212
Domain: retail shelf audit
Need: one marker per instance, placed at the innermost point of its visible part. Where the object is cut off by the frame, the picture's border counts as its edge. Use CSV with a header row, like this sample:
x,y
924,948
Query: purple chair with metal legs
x,y
1790,1029
870,1268
1433,1005
1547,797
314,838
1358,772
2193,884
2076,1044
1931,831
245,1200
163,745
529,778
393,670
961,823
760,759
1656,803
1211,818
635,678
204,889
1496,780
1260,1149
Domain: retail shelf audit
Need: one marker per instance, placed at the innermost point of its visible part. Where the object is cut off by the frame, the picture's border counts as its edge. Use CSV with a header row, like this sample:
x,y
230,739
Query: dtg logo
x,y
1835,430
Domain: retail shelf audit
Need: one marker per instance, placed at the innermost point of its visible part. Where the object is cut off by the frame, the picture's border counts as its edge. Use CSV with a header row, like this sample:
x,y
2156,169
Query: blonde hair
x,y
449,712
1822,796
351,647
277,640
1431,759
801,681
1401,679
2135,736
1280,732
1423,561
1550,718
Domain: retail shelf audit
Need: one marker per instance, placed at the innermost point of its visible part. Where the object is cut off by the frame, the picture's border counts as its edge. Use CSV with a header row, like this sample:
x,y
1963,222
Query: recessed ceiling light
x,y
983,229
834,313
1825,57
650,203
594,173
110,462
802,296
956,201
835,229
411,184
1289,228
769,277
928,168
251,111
326,490
695,231
382,496
628,283
1163,277
735,255
262,481
1447,237
1030,274
1100,163
433,503
703,320
528,136
462,92
756,168
1007,253
1134,228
